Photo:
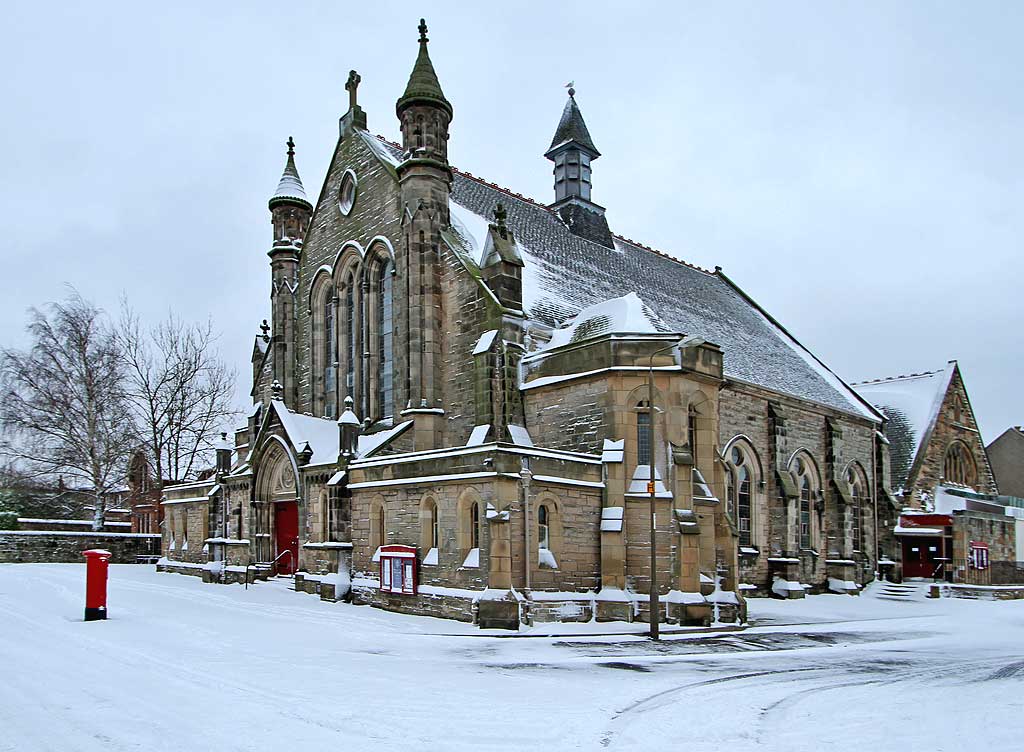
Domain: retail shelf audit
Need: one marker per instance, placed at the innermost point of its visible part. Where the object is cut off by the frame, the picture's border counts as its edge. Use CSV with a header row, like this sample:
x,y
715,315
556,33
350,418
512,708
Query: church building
x,y
467,403
940,516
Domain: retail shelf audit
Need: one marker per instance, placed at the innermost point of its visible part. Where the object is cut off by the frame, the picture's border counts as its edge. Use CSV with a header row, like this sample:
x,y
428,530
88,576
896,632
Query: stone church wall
x,y
744,410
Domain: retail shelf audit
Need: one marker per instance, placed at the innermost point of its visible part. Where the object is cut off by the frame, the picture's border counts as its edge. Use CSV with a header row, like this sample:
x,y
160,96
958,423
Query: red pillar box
x,y
96,562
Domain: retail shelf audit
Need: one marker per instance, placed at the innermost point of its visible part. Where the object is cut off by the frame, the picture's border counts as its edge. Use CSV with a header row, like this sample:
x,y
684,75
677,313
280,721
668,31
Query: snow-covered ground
x,y
182,665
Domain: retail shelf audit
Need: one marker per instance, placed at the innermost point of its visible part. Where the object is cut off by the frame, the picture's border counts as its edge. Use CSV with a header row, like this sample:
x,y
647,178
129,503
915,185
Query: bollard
x,y
96,562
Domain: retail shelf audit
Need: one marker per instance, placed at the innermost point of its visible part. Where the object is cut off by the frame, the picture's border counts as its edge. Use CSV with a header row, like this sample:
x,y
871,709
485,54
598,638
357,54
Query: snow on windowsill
x,y
472,559
431,558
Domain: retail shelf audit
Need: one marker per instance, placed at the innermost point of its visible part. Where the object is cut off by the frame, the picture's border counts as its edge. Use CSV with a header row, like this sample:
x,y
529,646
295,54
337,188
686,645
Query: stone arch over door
x,y
276,490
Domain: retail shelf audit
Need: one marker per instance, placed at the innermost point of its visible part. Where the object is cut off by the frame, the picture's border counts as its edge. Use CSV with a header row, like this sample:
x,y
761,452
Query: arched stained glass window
x,y
350,336
385,344
958,466
328,355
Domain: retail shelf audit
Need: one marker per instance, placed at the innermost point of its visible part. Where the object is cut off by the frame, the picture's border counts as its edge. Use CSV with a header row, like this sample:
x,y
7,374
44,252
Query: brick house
x,y
465,401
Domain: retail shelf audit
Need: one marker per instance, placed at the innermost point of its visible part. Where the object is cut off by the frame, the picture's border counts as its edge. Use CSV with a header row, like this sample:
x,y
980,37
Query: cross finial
x,y
350,86
276,390
291,147
265,328
423,31
499,218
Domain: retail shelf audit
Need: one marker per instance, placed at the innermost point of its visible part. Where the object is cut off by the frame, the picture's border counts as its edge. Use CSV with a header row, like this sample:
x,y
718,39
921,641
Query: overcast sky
x,y
855,167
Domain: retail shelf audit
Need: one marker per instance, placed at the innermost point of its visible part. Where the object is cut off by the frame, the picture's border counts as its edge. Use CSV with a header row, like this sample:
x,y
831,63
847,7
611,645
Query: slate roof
x,y
572,128
564,273
911,403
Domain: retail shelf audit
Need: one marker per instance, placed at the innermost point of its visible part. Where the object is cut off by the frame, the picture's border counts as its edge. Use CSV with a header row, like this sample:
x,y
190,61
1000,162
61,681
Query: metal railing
x,y
273,565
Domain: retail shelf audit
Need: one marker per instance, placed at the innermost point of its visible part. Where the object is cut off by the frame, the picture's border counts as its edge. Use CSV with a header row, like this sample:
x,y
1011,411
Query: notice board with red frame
x,y
398,569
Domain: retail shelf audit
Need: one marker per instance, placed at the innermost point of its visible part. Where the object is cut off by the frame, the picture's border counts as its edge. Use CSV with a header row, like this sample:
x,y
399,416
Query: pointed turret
x,y
290,211
289,188
424,111
423,86
572,150
425,181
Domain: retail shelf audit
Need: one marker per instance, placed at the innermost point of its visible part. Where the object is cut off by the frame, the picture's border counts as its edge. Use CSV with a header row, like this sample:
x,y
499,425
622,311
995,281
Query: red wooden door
x,y
286,528
919,556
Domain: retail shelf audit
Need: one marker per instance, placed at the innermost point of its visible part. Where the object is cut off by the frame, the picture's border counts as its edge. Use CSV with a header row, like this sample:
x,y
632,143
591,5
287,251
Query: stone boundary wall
x,y
978,592
34,546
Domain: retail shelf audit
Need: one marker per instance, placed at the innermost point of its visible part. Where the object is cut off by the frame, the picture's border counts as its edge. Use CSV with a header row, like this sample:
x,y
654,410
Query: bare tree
x,y
64,409
179,389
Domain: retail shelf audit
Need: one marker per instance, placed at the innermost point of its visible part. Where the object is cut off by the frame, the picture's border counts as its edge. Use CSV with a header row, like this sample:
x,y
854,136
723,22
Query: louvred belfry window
x,y
398,569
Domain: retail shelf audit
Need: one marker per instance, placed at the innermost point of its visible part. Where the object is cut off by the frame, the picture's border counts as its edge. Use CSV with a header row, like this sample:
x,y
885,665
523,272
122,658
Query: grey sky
x,y
857,168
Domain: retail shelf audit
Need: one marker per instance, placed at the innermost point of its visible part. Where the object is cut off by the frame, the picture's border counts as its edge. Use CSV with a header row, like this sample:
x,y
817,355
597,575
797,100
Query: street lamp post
x,y
680,345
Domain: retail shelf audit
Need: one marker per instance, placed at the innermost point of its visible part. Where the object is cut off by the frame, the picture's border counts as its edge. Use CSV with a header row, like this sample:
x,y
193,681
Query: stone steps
x,y
901,591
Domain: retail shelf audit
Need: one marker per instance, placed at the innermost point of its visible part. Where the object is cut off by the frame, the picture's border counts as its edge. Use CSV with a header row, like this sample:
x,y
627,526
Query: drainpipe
x,y
525,476
874,505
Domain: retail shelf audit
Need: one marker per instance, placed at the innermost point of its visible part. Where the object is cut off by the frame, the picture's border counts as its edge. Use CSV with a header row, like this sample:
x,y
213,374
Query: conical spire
x,y
290,185
423,84
572,128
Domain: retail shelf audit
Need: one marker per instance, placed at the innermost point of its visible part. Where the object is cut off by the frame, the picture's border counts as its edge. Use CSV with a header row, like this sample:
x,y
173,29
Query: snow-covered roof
x,y
290,185
564,273
911,403
320,433
623,315
323,437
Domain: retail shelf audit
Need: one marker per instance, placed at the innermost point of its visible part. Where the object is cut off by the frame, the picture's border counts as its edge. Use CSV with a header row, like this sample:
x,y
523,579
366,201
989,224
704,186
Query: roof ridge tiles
x,y
885,379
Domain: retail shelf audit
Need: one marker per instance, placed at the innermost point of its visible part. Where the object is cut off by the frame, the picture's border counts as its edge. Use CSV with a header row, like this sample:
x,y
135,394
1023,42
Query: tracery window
x,y
739,492
327,358
323,346
350,337
807,481
958,465
805,513
385,345
856,509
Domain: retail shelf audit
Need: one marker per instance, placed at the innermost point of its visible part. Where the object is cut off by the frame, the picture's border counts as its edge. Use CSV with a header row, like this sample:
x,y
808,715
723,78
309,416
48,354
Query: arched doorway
x,y
277,508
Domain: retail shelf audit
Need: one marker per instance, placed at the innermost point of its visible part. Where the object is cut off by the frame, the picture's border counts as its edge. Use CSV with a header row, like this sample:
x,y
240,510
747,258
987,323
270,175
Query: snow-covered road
x,y
182,665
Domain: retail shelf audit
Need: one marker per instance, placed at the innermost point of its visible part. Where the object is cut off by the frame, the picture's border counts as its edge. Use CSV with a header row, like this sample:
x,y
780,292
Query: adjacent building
x,y
1006,456
949,523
